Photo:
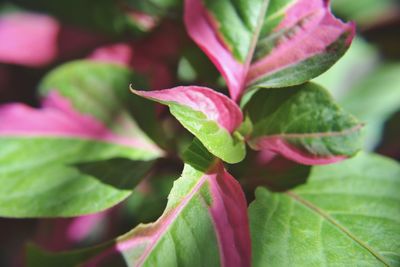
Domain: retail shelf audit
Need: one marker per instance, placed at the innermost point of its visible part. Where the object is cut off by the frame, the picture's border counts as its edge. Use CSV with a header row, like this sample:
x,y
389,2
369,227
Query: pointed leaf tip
x,y
303,124
211,116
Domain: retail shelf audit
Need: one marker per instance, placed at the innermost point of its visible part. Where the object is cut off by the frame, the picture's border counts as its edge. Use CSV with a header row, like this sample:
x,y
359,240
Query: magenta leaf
x,y
267,43
211,116
28,39
36,40
57,118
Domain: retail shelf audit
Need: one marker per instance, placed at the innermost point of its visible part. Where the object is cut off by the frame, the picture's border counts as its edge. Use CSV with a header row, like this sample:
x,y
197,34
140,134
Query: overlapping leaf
x,y
204,224
347,214
211,116
303,124
264,43
81,152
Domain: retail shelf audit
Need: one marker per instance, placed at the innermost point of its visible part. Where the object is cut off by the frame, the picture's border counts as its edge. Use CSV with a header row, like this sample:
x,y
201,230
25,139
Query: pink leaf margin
x,y
57,118
228,211
320,30
214,105
282,147
200,28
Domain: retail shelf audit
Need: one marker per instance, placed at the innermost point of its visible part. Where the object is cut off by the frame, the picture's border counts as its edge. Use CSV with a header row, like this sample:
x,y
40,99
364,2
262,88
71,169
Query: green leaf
x,y
374,99
363,11
267,43
358,62
302,123
80,153
46,177
204,224
210,116
102,91
346,215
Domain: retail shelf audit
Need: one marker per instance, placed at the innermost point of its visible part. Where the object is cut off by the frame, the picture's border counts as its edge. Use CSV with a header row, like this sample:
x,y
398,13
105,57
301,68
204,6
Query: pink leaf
x,y
315,29
215,106
227,209
279,145
308,29
58,118
202,31
36,40
28,39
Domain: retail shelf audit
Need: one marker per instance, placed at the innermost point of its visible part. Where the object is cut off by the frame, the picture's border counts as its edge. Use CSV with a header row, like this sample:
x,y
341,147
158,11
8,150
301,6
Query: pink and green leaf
x,y
51,152
211,116
303,124
257,44
204,224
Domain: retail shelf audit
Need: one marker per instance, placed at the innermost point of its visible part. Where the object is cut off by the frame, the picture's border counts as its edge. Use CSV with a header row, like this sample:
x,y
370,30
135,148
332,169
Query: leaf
x,y
374,99
265,43
50,157
106,15
365,12
22,33
346,215
204,224
359,62
211,116
303,124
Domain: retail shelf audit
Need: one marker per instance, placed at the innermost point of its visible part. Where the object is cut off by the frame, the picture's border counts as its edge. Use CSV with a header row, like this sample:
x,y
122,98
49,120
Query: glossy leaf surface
x,y
264,43
346,214
211,116
303,124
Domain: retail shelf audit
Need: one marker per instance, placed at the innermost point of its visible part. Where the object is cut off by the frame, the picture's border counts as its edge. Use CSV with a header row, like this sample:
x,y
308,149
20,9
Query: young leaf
x,y
263,43
80,153
303,124
204,224
347,214
211,116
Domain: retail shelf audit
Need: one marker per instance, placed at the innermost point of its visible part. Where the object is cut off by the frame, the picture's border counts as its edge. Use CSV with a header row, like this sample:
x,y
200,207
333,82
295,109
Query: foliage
x,y
122,94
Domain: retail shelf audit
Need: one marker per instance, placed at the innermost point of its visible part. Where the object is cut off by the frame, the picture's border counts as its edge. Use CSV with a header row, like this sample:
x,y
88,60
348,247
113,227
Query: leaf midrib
x,y
177,211
336,224
256,35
